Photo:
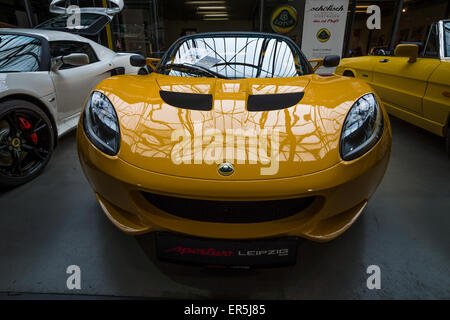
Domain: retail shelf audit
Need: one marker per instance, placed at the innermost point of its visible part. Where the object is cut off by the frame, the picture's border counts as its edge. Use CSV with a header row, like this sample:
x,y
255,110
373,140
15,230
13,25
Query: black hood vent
x,y
256,102
192,101
268,102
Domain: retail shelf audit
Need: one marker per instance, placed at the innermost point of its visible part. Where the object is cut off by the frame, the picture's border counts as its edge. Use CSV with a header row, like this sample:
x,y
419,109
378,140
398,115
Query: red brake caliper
x,y
25,125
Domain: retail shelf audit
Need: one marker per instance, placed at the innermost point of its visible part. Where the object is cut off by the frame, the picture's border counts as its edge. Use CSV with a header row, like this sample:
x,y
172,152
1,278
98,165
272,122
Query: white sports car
x,y
45,77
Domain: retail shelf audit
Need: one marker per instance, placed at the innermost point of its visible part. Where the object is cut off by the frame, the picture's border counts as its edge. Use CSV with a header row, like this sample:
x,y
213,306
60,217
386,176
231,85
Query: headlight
x,y
101,124
362,127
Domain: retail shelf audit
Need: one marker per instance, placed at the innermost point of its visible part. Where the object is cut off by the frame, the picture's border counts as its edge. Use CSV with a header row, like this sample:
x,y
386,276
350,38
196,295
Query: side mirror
x,y
410,51
73,59
138,60
331,61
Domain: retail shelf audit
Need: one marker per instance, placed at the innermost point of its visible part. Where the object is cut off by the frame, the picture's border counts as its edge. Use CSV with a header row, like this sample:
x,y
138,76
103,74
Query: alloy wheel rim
x,y
25,142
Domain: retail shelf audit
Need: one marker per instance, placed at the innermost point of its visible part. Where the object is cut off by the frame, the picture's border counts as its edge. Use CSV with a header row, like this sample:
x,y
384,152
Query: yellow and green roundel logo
x,y
284,19
323,35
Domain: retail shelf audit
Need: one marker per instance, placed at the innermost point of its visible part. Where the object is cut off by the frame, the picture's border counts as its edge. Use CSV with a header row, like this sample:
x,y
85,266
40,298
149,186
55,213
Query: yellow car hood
x,y
308,132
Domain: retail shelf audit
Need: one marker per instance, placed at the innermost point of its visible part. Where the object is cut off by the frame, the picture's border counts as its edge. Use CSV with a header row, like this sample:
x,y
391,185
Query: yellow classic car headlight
x,y
101,124
362,128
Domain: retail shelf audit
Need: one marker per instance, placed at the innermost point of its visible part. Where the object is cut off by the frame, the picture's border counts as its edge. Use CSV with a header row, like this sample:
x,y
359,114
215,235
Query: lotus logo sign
x,y
284,19
323,35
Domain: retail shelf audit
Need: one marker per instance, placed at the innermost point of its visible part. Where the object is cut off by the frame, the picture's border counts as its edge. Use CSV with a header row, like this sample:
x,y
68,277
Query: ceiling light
x,y
212,8
216,15
210,12
215,19
205,2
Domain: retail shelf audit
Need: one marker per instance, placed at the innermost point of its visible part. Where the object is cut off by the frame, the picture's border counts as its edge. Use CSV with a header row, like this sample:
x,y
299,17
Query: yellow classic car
x,y
414,85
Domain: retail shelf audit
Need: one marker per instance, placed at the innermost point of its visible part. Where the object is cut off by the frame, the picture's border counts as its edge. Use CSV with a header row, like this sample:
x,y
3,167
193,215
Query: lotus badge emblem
x,y
226,169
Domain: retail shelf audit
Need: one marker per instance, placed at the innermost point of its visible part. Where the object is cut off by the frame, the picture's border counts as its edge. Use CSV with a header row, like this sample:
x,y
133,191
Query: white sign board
x,y
324,29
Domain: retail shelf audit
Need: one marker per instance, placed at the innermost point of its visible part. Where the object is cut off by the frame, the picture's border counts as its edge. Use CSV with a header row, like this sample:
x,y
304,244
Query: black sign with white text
x,y
226,253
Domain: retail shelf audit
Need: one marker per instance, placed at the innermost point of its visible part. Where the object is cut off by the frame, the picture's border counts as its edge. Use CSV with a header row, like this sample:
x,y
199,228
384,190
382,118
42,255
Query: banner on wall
x,y
324,29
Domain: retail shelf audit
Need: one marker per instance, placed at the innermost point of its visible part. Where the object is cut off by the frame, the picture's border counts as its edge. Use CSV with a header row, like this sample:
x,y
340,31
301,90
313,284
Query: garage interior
x,y
55,221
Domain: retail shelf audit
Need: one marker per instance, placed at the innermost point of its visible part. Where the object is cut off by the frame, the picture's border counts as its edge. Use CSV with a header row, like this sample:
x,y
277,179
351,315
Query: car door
x,y
436,103
401,84
24,65
74,83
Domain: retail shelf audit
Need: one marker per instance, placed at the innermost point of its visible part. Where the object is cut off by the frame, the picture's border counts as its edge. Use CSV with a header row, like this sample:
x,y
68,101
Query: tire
x,y
142,72
26,142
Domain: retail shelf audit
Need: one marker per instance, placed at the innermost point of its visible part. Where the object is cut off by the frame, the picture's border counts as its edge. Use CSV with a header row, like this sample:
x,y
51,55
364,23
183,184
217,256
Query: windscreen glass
x,y
235,57
19,53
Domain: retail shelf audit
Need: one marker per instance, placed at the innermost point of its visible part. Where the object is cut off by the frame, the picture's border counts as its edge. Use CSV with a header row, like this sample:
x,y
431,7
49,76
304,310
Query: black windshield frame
x,y
173,49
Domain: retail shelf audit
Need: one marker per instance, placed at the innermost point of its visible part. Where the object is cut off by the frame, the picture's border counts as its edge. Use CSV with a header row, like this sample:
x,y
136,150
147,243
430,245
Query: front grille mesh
x,y
228,211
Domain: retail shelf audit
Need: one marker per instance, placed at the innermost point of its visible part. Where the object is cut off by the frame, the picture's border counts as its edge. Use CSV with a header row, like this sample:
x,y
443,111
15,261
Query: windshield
x,y
19,53
234,57
447,38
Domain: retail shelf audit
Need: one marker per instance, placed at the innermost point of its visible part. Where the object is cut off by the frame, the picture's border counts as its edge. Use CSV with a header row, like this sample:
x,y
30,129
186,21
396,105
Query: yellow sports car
x,y
232,149
414,84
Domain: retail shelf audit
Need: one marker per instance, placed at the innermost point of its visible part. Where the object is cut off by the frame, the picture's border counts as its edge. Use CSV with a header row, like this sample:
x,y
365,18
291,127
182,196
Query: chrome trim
x,y
441,39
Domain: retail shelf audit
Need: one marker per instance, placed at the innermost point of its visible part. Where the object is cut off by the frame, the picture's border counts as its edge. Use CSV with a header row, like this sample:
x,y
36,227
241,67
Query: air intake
x,y
268,102
229,211
192,101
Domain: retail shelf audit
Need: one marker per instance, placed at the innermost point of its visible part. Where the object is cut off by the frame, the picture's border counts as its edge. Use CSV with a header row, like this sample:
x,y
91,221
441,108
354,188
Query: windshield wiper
x,y
192,67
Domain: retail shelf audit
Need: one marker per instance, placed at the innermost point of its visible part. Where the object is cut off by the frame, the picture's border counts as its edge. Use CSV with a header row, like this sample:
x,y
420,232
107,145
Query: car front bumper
x,y
341,194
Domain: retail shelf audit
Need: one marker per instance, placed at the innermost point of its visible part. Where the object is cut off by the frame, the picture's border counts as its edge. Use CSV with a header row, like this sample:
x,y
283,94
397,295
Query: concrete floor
x,y
54,222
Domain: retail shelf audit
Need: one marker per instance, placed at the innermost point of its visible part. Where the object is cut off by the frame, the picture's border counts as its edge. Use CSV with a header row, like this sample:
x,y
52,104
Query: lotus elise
x,y
233,149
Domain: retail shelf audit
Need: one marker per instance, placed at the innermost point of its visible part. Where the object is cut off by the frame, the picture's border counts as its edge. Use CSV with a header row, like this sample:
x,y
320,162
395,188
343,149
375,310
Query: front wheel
x,y
26,142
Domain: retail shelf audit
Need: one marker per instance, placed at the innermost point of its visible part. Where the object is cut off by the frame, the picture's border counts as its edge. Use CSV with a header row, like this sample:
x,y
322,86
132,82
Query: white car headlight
x,y
101,124
362,128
